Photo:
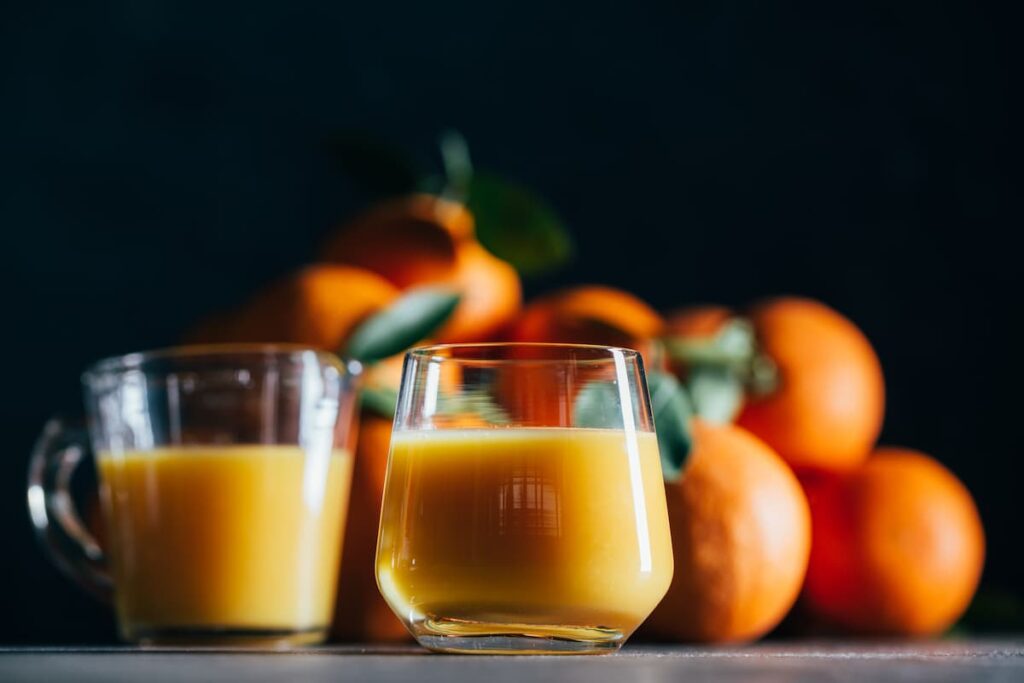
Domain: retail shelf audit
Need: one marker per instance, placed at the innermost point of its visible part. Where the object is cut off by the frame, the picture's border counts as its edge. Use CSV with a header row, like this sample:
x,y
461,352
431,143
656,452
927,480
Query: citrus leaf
x,y
694,352
734,345
458,168
672,413
736,338
379,400
716,393
412,317
376,167
733,350
517,226
597,406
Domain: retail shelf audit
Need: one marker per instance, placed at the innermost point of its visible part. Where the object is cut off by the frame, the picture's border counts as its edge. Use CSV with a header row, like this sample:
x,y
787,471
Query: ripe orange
x,y
407,241
740,536
827,411
491,295
423,239
541,395
318,306
361,615
898,546
588,314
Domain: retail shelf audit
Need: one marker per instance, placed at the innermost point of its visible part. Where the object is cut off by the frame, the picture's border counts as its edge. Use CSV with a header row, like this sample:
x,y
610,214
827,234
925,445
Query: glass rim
x,y
137,360
599,353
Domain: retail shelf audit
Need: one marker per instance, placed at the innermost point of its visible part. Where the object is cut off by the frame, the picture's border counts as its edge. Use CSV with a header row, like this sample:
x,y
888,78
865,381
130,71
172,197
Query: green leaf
x,y
736,339
376,167
597,406
412,317
380,400
732,346
517,226
672,413
731,351
458,168
716,392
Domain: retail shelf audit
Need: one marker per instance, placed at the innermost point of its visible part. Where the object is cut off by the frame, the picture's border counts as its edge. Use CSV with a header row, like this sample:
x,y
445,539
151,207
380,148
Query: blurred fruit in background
x,y
361,613
588,314
898,546
407,240
583,314
491,296
422,239
318,306
741,534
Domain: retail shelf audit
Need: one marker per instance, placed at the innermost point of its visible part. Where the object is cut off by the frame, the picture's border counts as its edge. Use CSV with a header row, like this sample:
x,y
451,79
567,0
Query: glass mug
x,y
224,478
524,509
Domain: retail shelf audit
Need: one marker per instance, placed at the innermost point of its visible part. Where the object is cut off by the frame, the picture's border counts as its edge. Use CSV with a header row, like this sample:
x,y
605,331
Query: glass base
x,y
477,637
226,637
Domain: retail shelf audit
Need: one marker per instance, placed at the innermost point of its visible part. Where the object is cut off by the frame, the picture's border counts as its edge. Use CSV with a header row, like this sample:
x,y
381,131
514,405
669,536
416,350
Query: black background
x,y
158,160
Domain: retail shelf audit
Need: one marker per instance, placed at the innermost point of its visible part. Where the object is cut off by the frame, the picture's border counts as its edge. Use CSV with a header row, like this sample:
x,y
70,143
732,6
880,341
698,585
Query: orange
x,y
407,241
541,395
588,314
536,394
319,306
827,410
385,373
741,533
491,295
898,546
423,239
361,614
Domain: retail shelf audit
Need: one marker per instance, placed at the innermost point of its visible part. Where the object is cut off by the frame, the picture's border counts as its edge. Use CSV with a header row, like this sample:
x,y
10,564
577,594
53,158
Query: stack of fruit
x,y
768,421
893,544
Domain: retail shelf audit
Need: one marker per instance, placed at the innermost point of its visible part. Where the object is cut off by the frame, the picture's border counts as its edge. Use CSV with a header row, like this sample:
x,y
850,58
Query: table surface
x,y
976,661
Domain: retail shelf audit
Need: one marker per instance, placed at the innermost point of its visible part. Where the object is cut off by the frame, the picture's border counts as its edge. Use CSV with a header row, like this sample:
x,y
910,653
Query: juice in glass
x,y
226,538
550,532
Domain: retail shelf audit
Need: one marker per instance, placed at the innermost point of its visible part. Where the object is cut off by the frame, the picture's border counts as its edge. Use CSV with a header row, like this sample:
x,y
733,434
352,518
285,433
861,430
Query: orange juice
x,y
548,530
229,539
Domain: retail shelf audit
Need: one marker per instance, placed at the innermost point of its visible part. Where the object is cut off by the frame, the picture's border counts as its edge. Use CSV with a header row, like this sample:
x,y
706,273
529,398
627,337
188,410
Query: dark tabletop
x,y
976,661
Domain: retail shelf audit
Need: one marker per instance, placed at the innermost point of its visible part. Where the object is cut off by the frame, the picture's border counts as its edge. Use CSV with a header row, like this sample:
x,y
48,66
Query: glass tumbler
x,y
524,509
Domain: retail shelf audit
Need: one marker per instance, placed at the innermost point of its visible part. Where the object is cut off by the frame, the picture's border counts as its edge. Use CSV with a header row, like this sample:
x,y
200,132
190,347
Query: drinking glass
x,y
524,509
224,476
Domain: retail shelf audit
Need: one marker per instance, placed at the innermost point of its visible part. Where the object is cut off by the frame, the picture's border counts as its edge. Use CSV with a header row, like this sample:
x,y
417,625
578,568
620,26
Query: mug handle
x,y
55,456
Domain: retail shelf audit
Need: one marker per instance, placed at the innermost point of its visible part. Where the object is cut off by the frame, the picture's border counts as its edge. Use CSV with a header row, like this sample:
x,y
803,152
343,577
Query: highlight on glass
x,y
524,510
